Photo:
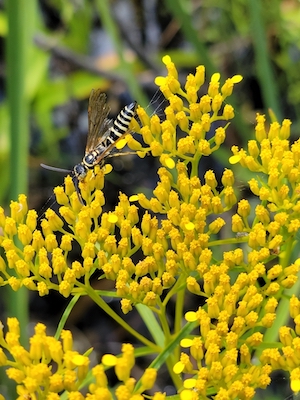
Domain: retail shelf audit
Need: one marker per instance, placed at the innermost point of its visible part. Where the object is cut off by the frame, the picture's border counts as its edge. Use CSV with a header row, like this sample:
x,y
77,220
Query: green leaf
x,y
151,322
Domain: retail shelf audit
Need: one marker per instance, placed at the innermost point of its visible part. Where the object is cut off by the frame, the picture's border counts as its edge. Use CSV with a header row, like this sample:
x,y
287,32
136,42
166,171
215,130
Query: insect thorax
x,y
93,158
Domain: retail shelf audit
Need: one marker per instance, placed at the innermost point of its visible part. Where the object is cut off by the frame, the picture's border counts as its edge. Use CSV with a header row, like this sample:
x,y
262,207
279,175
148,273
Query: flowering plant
x,y
230,342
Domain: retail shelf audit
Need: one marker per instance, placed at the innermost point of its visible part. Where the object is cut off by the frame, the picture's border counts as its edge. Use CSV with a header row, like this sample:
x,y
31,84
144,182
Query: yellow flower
x,y
174,241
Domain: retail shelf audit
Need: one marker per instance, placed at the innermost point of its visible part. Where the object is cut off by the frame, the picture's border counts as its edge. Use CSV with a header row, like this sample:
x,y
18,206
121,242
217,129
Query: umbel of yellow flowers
x,y
236,336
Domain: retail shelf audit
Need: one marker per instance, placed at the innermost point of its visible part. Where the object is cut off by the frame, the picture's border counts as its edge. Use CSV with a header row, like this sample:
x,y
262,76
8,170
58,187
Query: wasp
x,y
103,134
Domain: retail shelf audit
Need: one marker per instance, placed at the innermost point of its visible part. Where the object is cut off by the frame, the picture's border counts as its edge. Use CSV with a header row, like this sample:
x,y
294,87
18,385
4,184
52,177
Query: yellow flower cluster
x,y
180,234
33,369
30,261
192,116
123,366
51,366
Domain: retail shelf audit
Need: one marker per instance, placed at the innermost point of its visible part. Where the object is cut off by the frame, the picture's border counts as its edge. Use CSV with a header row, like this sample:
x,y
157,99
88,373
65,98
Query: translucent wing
x,y
98,111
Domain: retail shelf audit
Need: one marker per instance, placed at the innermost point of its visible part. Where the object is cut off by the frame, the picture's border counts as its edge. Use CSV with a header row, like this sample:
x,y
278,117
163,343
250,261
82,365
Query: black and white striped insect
x,y
103,134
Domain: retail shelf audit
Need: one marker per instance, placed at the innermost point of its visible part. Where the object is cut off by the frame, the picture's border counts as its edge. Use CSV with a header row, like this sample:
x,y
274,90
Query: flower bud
x,y
200,75
155,126
10,227
24,234
61,196
148,379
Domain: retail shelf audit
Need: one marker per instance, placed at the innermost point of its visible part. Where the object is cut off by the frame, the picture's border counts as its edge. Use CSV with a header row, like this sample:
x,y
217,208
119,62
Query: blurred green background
x,y
53,52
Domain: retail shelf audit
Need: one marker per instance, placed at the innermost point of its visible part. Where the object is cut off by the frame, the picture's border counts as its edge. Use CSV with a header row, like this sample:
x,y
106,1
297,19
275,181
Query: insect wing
x,y
106,149
98,111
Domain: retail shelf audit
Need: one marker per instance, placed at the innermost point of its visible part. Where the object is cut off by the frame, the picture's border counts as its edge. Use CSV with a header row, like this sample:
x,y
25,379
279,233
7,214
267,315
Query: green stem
x,y
175,289
195,164
178,315
265,74
65,315
109,311
19,14
164,323
18,42
175,377
126,67
282,311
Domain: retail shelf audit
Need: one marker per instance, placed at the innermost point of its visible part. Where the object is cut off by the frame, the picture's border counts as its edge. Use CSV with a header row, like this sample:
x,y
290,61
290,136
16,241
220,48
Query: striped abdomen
x,y
116,131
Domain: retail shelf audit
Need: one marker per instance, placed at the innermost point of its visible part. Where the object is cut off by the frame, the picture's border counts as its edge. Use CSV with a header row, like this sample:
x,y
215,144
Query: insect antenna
x,y
51,200
74,179
50,168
